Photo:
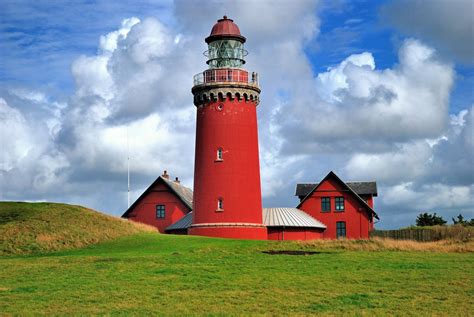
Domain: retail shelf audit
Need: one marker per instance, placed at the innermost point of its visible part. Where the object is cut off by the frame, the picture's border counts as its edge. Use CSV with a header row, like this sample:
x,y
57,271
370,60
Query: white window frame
x,y
220,154
220,204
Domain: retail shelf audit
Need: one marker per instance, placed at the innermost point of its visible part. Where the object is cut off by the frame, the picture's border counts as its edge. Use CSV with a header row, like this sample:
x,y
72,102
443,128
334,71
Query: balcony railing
x,y
216,75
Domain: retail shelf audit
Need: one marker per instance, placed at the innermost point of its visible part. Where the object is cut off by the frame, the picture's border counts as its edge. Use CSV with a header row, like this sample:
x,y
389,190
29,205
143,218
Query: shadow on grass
x,y
292,252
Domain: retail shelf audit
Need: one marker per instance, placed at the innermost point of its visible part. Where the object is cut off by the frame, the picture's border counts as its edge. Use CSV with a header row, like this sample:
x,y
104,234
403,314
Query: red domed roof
x,y
225,28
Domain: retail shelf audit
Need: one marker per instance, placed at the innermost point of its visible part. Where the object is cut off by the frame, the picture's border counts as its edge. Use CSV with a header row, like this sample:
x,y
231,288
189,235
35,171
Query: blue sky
x,y
351,28
55,72
41,39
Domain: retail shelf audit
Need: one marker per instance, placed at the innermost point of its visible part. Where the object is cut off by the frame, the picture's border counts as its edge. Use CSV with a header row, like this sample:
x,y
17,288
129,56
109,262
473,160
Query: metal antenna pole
x,y
128,172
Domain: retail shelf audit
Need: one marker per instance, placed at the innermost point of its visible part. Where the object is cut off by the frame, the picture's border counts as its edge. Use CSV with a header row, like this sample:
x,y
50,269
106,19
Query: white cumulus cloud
x,y
355,106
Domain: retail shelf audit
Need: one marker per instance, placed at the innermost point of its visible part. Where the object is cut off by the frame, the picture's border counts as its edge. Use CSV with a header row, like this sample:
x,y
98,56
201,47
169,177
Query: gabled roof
x,y
289,217
344,185
183,193
361,188
184,223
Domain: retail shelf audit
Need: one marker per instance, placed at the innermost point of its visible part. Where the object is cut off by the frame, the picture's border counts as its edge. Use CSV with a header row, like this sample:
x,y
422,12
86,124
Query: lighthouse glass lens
x,y
226,53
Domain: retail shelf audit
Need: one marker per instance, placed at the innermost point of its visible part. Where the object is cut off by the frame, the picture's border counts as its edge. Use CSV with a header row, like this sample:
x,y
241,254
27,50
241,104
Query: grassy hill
x,y
43,227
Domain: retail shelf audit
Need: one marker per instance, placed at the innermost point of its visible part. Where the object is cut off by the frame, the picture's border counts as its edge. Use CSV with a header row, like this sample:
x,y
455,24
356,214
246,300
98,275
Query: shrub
x,y
426,219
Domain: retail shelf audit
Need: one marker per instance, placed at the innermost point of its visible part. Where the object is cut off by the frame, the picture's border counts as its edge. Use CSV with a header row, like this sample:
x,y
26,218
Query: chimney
x,y
165,175
176,180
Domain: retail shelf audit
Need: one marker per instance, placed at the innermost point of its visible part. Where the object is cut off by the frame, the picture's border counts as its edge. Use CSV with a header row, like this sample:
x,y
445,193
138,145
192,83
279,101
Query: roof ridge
x,y
313,183
174,182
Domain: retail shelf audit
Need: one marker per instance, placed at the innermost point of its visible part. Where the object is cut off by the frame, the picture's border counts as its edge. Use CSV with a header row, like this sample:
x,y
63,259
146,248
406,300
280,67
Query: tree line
x,y
426,219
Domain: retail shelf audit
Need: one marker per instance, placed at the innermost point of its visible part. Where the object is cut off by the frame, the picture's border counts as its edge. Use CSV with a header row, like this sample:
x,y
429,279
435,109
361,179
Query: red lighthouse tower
x,y
227,198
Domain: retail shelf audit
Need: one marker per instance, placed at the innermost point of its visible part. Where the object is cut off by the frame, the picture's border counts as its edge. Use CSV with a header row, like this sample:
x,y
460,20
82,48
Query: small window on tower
x,y
220,156
220,204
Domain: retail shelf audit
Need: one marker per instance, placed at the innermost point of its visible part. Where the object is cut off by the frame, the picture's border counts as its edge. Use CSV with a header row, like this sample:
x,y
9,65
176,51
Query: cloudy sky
x,y
373,90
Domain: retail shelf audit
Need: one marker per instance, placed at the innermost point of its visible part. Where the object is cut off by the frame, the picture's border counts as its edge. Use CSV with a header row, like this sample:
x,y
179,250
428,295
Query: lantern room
x,y
225,45
225,55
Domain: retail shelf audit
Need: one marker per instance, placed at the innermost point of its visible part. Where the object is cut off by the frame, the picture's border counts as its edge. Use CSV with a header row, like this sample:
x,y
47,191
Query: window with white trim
x,y
220,156
220,204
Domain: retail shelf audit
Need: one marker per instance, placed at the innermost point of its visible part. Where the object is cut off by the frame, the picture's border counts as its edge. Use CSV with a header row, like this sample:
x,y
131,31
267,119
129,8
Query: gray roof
x,y
272,217
186,194
183,223
361,188
289,217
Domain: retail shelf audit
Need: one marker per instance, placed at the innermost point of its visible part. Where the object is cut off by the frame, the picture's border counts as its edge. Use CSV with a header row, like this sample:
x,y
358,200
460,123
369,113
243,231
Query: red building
x,y
163,203
227,195
345,209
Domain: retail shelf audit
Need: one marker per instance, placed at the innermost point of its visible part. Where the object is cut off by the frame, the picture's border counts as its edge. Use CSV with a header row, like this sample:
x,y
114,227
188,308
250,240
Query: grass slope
x,y
43,227
150,274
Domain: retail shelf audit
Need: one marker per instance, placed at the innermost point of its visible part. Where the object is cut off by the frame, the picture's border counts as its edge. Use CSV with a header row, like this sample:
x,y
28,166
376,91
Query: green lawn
x,y
181,275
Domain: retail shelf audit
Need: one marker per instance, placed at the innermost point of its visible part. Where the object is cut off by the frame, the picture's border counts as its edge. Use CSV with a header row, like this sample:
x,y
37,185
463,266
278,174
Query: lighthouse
x,y
227,200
